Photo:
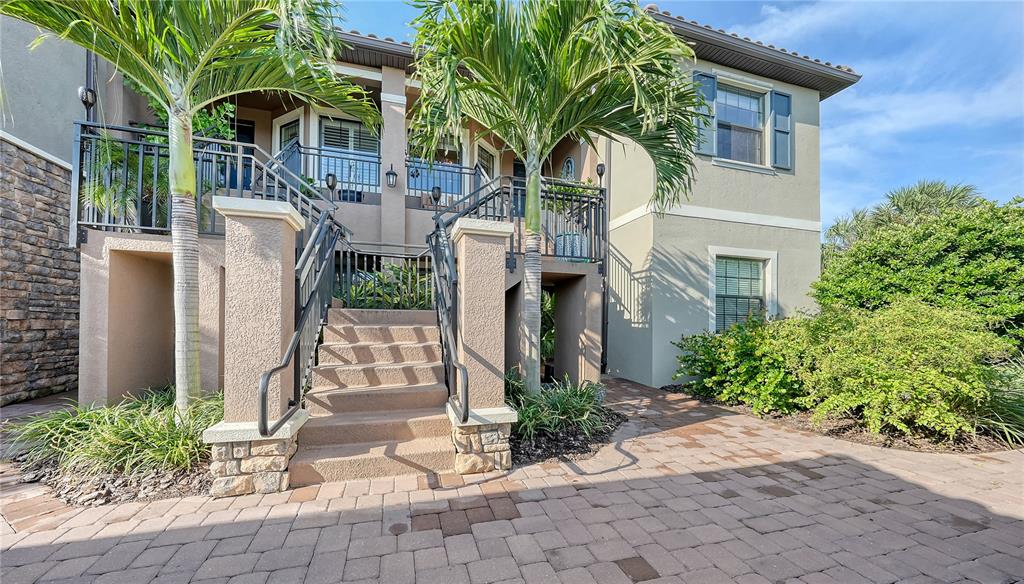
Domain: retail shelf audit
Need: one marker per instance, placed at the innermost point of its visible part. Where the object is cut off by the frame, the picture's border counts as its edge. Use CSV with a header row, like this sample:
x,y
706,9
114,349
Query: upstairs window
x,y
740,116
739,290
347,136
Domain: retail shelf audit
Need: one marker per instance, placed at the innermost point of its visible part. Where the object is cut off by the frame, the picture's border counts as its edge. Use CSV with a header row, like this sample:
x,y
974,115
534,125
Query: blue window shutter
x,y
706,85
782,131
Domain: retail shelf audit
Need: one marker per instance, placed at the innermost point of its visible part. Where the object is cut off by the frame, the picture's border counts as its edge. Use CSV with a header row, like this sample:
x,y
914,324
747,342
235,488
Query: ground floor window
x,y
739,290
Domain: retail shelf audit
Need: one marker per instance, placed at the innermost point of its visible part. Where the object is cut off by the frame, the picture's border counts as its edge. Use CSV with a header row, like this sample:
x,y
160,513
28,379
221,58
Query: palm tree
x,y
533,72
187,56
902,206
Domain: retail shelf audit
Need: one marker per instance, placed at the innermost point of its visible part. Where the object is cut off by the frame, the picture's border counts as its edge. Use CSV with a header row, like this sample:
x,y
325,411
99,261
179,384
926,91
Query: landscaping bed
x,y
100,489
853,430
565,445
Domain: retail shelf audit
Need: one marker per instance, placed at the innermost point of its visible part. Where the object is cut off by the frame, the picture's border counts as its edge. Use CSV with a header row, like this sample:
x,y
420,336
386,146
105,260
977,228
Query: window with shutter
x,y
740,122
346,135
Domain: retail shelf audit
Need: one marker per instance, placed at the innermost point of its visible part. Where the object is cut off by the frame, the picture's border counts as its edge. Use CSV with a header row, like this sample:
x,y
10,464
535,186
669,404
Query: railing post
x,y
76,184
482,441
259,320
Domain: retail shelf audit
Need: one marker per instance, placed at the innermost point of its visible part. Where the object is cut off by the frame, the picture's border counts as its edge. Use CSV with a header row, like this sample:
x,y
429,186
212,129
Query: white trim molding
x,y
698,212
275,127
34,150
771,276
393,98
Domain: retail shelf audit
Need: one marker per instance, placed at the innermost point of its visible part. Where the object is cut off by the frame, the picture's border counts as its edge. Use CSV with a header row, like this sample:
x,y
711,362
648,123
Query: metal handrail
x,y
446,297
314,280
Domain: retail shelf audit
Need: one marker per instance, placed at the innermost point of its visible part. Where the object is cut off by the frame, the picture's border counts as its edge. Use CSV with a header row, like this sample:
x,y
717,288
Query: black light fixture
x,y
332,182
392,177
600,170
435,194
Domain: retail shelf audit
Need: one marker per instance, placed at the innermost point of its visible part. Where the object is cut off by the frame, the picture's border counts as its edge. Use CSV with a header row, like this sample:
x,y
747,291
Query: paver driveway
x,y
687,493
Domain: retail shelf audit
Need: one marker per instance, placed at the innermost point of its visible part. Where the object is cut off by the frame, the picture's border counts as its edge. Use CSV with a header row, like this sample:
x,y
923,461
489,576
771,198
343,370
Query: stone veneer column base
x,y
244,462
481,443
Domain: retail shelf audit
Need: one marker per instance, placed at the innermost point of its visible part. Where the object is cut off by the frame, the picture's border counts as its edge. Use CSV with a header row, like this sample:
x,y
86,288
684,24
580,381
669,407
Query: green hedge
x,y
907,368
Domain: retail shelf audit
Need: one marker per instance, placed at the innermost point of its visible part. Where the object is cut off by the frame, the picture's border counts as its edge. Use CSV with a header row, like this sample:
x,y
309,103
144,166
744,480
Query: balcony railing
x,y
120,181
357,173
450,182
574,219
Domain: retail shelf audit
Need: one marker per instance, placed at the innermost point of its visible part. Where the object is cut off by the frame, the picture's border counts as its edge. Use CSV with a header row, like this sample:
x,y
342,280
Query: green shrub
x,y
560,406
1002,416
137,435
969,259
745,364
908,368
395,287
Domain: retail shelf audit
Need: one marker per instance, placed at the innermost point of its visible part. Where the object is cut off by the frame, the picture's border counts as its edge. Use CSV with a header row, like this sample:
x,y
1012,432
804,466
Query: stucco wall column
x,y
578,328
393,147
481,443
259,301
259,319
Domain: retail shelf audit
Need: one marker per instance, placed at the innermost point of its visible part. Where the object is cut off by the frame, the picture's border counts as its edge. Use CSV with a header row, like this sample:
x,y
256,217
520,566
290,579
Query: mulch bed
x,y
567,446
852,430
118,488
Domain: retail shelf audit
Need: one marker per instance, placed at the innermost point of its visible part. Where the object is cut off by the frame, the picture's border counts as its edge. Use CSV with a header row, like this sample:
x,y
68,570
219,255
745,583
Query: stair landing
x,y
377,402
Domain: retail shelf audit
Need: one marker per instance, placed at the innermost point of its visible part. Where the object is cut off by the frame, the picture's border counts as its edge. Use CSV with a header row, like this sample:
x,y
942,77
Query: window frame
x,y
763,96
771,278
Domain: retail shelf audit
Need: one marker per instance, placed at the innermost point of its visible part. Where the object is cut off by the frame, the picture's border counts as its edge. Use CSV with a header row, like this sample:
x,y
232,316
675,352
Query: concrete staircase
x,y
377,400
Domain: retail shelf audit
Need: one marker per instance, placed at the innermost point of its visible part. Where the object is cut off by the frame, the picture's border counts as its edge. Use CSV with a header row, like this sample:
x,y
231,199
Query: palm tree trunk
x,y
185,249
530,332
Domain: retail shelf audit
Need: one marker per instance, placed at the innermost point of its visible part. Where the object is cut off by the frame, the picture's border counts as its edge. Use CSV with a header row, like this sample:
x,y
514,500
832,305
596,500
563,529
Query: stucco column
x,y
259,301
259,320
578,328
393,147
482,442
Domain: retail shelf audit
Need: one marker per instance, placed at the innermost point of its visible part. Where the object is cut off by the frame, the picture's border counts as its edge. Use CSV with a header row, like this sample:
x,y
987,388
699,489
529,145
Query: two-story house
x,y
747,240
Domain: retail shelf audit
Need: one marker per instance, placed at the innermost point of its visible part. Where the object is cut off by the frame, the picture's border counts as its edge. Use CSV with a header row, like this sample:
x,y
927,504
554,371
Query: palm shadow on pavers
x,y
701,499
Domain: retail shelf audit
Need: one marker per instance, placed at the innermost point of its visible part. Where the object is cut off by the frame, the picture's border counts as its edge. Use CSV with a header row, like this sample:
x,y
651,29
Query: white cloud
x,y
785,26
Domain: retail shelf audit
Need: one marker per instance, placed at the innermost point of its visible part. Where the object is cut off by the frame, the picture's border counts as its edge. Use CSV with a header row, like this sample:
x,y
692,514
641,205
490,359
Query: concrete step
x,y
356,427
379,353
380,334
373,399
347,376
362,316
368,460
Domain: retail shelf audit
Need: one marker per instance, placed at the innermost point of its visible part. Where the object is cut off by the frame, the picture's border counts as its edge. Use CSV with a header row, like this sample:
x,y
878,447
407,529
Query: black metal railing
x,y
120,181
446,301
377,275
357,173
449,182
573,216
314,283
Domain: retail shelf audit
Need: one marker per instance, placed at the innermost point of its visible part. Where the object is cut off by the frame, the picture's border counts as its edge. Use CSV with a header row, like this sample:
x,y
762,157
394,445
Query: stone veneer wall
x,y
38,278
257,466
482,448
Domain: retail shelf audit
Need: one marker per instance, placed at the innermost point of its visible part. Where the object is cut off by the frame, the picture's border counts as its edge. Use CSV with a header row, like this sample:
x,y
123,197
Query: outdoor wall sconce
x,y
332,182
435,195
600,170
392,177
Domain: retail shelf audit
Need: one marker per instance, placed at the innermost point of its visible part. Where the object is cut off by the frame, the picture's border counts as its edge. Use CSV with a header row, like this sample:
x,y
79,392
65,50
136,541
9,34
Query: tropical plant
x,y
534,72
969,259
559,407
903,206
547,326
394,286
140,434
1002,416
187,56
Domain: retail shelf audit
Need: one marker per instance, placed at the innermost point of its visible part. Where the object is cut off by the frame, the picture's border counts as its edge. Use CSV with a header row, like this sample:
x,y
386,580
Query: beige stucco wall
x,y
659,265
127,320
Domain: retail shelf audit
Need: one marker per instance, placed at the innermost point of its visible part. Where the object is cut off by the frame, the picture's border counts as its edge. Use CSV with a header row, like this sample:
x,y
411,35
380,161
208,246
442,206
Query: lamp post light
x,y
392,177
435,194
600,173
332,183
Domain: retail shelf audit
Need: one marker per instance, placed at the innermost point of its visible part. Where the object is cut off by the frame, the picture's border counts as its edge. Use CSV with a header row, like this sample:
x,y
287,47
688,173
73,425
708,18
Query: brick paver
x,y
686,493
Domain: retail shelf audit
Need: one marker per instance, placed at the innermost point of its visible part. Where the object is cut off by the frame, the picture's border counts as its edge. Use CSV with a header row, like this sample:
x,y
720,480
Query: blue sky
x,y
942,94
